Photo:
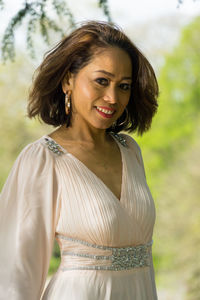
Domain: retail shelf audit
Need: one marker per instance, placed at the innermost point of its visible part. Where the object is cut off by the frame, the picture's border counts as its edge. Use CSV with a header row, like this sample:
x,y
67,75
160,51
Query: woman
x,y
84,183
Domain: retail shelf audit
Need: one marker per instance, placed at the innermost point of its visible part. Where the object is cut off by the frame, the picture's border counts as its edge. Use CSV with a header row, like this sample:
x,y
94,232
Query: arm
x,y
28,216
136,148
134,145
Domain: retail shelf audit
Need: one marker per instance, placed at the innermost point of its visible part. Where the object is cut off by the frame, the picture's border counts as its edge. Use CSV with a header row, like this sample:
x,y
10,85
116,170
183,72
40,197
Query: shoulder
x,y
130,141
43,148
35,162
133,147
36,156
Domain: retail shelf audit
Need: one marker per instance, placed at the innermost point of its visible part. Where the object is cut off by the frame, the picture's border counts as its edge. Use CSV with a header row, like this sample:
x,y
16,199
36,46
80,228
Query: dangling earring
x,y
115,123
67,102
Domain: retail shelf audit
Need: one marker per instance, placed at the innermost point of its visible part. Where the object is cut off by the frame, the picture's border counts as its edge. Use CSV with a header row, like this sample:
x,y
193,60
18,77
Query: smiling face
x,y
101,90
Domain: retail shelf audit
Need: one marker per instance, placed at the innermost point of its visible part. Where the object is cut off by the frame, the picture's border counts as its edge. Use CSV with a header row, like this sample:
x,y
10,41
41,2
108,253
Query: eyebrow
x,y
112,75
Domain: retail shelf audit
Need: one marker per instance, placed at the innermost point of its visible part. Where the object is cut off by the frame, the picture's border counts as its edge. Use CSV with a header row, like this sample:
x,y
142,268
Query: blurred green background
x,y
171,153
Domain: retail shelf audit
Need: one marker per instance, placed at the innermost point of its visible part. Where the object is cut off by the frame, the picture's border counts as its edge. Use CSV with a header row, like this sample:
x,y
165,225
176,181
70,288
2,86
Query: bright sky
x,y
123,12
142,10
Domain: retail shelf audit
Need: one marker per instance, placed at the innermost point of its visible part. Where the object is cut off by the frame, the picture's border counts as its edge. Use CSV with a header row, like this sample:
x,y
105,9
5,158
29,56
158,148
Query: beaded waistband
x,y
114,258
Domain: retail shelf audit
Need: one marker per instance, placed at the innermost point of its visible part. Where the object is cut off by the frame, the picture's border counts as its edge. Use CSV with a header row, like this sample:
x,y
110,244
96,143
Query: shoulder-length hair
x,y
47,100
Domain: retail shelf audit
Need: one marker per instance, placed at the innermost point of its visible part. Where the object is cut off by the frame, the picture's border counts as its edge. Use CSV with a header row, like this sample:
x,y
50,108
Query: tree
x,y
172,155
36,14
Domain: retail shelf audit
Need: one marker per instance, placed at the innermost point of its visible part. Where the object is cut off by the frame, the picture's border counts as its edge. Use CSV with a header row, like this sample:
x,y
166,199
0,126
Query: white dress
x,y
50,193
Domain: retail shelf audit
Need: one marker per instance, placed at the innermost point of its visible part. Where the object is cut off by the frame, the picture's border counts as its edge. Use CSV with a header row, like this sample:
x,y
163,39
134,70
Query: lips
x,y
105,112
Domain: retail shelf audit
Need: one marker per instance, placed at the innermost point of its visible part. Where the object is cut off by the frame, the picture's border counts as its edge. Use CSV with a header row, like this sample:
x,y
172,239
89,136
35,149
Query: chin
x,y
103,127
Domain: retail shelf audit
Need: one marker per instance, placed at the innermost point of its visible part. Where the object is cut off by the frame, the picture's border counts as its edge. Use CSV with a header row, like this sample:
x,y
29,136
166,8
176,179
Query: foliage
x,y
55,260
193,291
179,104
16,130
182,1
171,156
35,12
104,4
1,4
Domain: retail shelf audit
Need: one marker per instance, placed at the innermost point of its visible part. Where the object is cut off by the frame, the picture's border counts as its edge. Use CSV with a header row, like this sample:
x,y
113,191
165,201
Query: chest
x,y
91,208
107,167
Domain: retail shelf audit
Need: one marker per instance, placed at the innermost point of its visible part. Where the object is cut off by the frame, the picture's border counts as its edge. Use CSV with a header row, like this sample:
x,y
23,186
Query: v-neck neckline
x,y
65,151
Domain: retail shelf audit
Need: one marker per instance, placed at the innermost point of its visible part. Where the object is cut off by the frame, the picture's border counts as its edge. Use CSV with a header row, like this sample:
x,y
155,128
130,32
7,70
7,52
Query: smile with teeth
x,y
105,111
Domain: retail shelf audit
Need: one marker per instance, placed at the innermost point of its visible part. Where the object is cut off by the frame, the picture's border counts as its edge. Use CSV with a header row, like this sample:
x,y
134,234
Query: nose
x,y
111,95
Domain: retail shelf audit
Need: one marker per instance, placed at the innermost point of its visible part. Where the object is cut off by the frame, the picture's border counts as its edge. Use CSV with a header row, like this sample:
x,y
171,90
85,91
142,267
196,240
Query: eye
x,y
102,81
125,86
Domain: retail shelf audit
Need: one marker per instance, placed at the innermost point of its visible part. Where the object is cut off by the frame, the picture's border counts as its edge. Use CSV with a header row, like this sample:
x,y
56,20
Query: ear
x,y
67,82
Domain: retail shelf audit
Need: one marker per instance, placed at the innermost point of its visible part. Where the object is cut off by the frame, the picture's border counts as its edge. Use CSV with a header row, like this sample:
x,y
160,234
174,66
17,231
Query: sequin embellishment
x,y
120,138
53,146
123,258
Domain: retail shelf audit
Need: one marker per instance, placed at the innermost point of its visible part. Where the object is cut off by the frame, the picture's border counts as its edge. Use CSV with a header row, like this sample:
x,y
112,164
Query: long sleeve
x,y
29,209
138,154
151,261
134,145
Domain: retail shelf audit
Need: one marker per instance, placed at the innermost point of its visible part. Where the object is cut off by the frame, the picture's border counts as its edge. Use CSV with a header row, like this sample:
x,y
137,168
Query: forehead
x,y
113,60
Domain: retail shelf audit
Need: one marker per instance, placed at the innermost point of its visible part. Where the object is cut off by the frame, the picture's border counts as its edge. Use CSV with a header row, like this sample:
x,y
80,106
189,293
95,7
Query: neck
x,y
85,133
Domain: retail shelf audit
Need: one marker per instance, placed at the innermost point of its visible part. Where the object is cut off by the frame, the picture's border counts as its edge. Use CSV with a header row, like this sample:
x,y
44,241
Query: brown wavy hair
x,y
47,100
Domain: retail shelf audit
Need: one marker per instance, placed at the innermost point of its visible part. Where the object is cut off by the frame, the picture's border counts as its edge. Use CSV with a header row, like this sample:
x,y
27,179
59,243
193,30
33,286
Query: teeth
x,y
109,112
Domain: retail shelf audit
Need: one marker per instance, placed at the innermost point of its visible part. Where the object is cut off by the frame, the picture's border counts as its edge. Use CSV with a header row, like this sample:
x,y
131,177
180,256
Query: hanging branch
x,y
36,12
31,29
61,8
8,51
180,2
104,5
1,4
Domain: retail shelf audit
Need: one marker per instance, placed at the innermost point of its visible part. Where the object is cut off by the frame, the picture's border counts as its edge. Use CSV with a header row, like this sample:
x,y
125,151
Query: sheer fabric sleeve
x,y
29,209
134,145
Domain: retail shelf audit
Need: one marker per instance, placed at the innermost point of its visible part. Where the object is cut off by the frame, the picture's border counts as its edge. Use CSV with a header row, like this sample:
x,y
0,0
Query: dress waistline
x,y
113,258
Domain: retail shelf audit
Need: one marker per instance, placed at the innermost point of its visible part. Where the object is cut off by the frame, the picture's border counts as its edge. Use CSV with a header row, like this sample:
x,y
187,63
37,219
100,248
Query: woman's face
x,y
101,90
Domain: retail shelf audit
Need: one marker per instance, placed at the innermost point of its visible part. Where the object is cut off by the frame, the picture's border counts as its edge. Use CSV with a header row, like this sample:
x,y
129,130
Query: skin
x,y
105,81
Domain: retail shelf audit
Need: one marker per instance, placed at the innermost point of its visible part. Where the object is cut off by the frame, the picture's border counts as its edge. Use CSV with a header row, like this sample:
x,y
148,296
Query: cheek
x,y
85,91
